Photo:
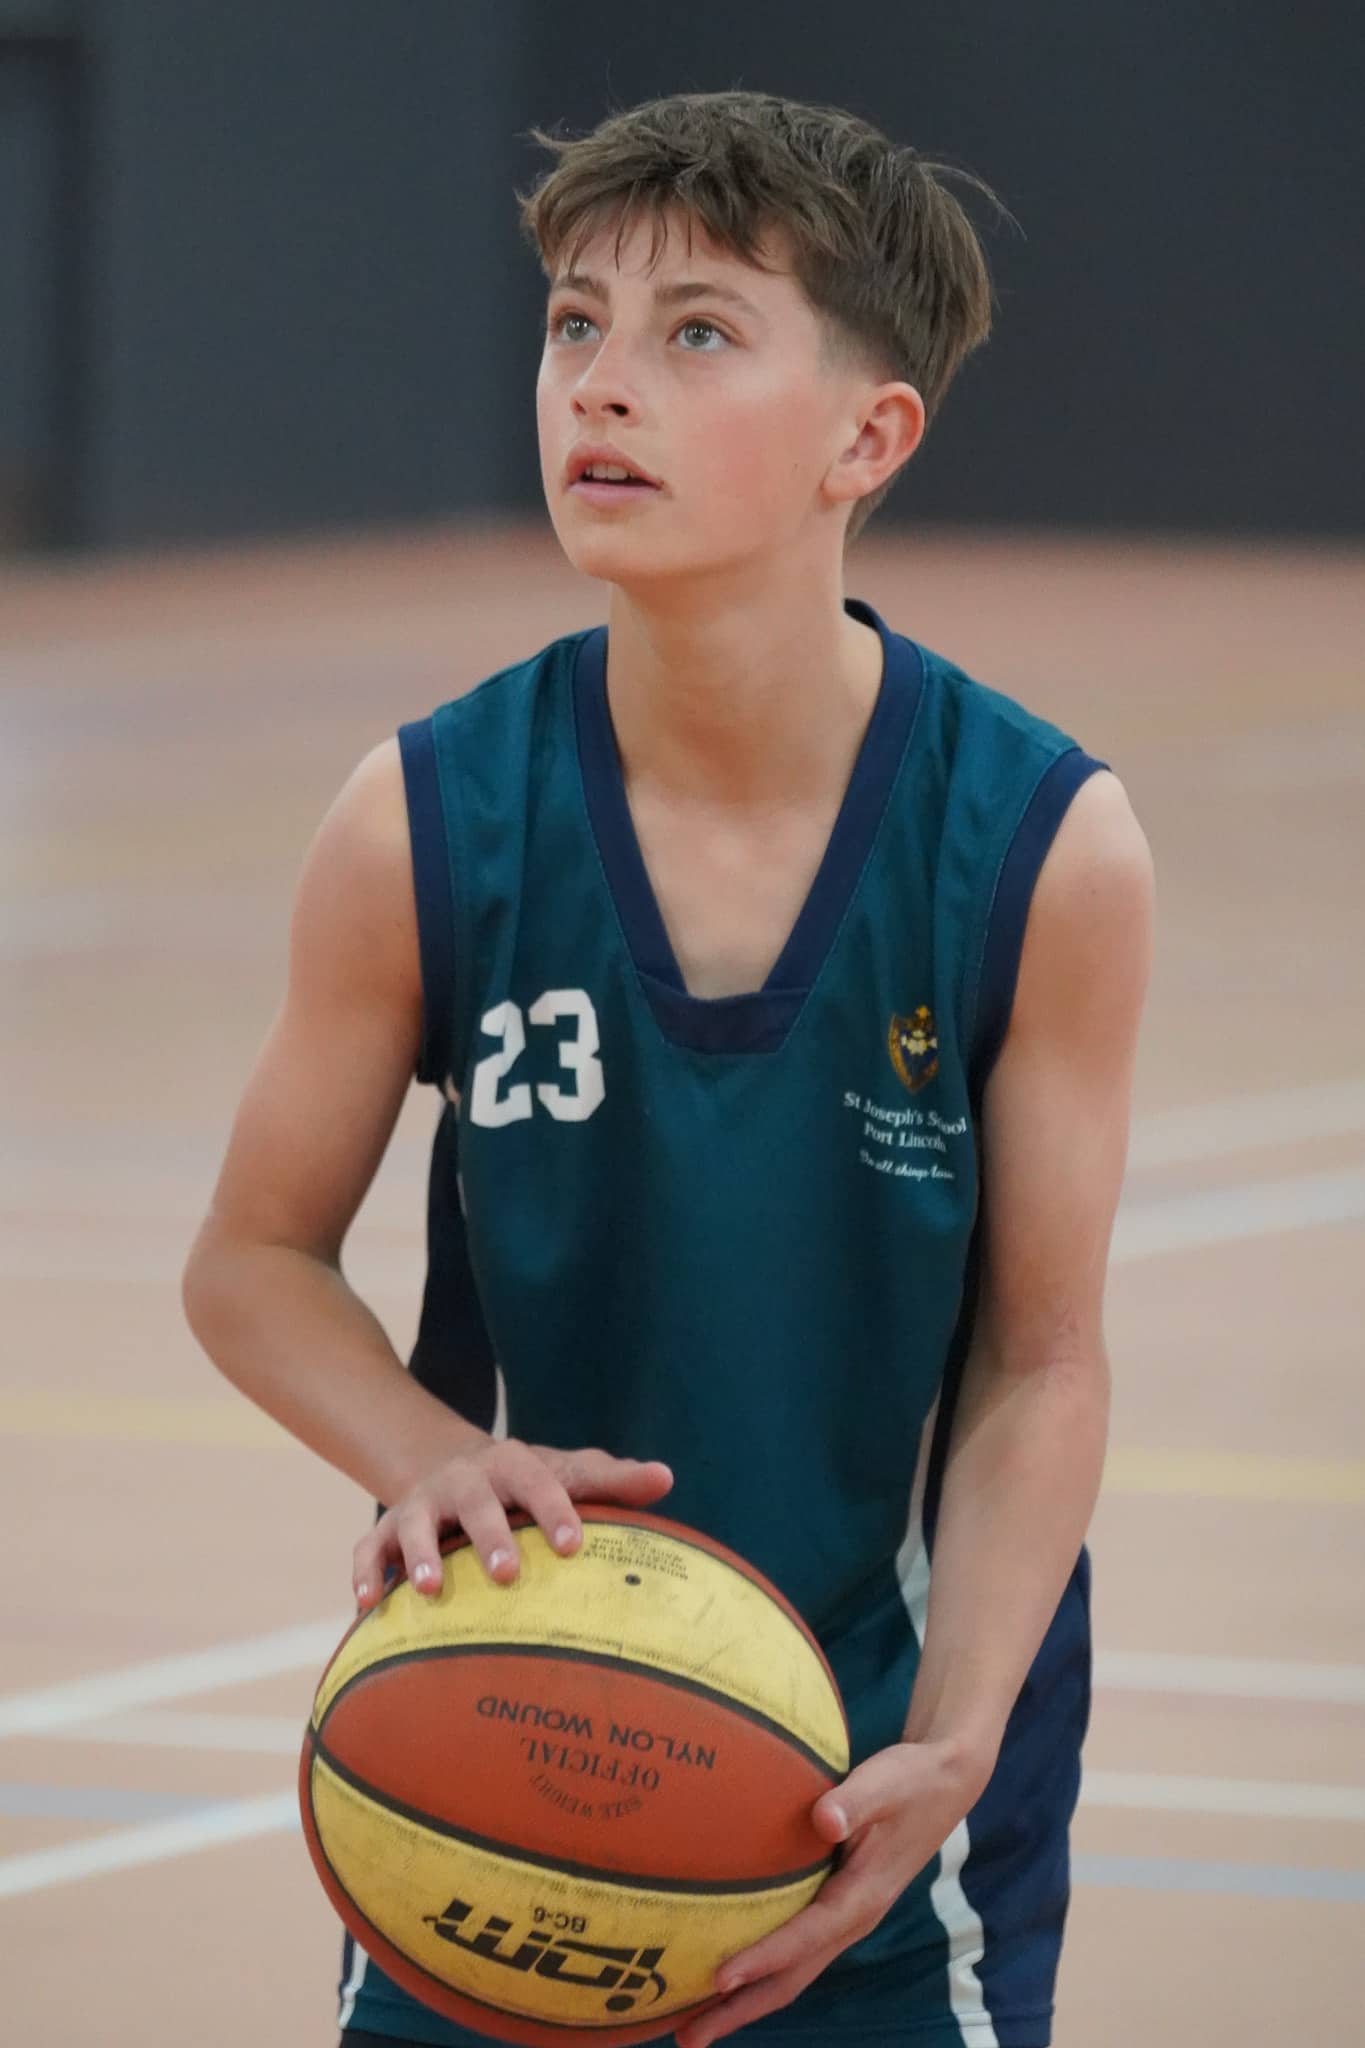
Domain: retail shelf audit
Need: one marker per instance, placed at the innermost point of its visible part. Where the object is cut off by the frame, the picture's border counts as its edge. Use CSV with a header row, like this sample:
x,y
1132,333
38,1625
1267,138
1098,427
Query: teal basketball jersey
x,y
741,1234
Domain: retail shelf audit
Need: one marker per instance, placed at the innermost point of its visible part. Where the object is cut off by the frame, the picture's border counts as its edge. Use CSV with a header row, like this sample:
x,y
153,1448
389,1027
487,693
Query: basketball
x,y
561,1803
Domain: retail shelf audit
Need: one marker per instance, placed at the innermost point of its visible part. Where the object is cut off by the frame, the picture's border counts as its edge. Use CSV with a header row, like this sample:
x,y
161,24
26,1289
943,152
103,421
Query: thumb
x,y
874,1791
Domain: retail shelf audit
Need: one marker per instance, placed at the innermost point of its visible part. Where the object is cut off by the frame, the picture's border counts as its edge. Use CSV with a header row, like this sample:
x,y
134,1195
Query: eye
x,y
569,326
709,333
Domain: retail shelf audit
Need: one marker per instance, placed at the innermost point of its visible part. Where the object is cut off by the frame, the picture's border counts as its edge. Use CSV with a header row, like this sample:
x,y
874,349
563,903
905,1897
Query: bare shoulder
x,y
355,914
1088,941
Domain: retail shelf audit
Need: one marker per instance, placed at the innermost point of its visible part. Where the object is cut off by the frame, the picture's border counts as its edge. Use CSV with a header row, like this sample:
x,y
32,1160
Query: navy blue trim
x,y
435,908
757,1020
1004,943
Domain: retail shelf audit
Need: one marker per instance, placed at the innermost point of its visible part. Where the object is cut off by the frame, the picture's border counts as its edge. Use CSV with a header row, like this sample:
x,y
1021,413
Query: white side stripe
x,y
350,1990
959,1920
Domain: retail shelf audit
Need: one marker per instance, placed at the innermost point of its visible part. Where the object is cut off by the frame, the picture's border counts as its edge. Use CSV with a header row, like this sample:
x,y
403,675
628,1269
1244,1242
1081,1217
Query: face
x,y
716,382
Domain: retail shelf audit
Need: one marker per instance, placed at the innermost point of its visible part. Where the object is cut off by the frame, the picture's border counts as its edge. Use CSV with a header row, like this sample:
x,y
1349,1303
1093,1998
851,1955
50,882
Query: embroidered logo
x,y
913,1045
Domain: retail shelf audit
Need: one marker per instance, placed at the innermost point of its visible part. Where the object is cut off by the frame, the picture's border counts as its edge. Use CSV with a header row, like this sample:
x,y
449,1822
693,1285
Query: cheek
x,y
769,450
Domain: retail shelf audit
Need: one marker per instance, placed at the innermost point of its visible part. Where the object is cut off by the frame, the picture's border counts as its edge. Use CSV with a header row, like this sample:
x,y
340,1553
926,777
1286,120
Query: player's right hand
x,y
474,1489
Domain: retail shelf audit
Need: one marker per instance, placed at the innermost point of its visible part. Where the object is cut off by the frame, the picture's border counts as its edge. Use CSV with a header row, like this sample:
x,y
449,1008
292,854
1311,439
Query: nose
x,y
604,390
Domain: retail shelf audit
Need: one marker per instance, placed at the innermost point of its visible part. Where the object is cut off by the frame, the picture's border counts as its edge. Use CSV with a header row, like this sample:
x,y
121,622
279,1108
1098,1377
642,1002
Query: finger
x,y
524,1479
377,1548
751,2004
877,1790
419,1542
483,1518
596,1475
845,1908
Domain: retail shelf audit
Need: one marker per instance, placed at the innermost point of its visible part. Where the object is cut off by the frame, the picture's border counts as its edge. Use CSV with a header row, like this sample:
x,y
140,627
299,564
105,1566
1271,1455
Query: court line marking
x,y
1140,1791
1247,1123
25,1800
241,1820
233,1820
1260,1208
181,1728
1184,1135
1253,1798
52,1707
234,1424
282,1734
1235,1475
1242,1880
1242,1678
47,1710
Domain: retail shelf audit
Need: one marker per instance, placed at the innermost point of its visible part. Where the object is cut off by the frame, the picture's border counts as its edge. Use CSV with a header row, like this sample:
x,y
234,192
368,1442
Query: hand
x,y
473,1490
893,1812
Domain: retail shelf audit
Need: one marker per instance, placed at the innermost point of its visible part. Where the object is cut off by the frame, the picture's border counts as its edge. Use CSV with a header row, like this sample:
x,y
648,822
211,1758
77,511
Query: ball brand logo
x,y
624,1973
913,1045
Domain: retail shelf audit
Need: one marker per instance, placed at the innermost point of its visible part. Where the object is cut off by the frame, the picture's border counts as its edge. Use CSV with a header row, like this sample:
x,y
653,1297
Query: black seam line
x,y
575,2027
521,1518
623,1880
561,1654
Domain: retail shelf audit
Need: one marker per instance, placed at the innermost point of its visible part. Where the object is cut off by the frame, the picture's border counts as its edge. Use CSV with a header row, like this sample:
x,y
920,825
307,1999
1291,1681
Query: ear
x,y
888,429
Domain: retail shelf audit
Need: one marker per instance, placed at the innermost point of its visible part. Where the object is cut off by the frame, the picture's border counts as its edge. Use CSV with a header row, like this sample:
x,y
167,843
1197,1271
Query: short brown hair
x,y
881,247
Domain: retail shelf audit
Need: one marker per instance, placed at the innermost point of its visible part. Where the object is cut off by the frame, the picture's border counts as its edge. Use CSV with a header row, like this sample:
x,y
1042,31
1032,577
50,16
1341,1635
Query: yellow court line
x,y
141,1418
1236,1475
1130,1469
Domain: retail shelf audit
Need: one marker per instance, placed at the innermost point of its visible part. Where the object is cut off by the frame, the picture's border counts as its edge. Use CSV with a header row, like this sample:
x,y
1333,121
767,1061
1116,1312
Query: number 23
x,y
579,1055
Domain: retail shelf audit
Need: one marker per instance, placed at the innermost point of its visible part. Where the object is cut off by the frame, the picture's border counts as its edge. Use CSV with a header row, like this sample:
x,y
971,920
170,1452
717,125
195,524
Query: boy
x,y
783,985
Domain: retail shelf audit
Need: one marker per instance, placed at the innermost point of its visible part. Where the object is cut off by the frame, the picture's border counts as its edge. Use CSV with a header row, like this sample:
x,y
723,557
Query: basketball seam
x,y
562,1653
561,1865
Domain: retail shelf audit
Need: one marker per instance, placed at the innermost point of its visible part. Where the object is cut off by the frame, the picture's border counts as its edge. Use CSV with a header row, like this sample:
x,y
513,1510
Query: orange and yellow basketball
x,y
559,1804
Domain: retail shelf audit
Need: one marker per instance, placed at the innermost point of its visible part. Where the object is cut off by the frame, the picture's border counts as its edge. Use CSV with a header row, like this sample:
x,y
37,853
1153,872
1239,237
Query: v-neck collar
x,y
757,1020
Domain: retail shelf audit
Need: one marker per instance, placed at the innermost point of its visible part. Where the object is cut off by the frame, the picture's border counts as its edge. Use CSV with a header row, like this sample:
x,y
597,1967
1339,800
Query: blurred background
x,y
260,269
268,488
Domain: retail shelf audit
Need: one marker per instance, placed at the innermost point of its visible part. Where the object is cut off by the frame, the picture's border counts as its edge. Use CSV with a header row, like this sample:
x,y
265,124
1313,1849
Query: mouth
x,y
605,479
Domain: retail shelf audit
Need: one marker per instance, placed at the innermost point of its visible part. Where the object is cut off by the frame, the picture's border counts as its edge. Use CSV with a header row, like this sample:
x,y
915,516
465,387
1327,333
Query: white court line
x,y
235,1820
1247,1123
1260,1208
1256,1798
176,1728
307,1646
1241,1678
169,1678
1144,1230
241,1820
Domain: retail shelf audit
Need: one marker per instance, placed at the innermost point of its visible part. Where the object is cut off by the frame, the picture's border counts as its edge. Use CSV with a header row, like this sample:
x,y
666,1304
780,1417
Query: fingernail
x,y
424,1575
565,1537
362,1591
499,1559
839,1819
728,1981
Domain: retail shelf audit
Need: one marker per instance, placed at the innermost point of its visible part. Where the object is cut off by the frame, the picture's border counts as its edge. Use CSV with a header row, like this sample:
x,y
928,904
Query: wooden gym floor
x,y
170,733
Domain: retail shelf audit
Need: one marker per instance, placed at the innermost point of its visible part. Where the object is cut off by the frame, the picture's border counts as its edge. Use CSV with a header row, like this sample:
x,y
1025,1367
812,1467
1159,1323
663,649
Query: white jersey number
x,y
577,1055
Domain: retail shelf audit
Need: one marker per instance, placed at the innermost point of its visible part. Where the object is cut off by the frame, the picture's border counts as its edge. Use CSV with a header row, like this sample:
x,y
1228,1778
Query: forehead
x,y
659,248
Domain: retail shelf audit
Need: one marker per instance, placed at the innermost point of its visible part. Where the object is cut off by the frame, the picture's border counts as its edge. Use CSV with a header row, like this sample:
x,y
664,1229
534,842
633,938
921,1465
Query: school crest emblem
x,y
913,1045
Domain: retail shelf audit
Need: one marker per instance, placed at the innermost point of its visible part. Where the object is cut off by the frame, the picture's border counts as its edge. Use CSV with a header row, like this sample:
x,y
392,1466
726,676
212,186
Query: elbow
x,y
202,1290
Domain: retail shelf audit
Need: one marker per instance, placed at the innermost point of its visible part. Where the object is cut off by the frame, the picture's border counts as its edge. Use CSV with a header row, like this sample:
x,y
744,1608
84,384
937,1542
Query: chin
x,y
625,558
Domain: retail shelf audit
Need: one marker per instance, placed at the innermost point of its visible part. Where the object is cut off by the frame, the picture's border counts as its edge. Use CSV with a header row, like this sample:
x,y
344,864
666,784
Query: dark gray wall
x,y
306,301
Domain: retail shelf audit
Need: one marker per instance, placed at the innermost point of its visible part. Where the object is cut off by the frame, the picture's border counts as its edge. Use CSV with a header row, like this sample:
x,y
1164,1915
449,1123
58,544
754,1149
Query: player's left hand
x,y
892,1813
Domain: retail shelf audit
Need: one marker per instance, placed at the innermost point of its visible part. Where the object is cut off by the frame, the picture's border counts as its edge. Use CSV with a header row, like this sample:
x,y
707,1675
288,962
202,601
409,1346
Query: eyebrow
x,y
665,294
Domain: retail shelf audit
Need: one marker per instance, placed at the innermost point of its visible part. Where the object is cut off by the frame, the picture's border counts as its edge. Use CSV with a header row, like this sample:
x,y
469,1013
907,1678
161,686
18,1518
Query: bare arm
x,y
264,1290
1027,1446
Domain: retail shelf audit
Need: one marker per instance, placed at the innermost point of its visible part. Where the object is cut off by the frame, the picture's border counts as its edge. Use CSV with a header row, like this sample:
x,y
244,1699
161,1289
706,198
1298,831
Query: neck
x,y
733,695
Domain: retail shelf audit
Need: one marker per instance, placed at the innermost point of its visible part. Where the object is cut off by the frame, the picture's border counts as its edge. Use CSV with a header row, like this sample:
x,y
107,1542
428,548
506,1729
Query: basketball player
x,y
782,985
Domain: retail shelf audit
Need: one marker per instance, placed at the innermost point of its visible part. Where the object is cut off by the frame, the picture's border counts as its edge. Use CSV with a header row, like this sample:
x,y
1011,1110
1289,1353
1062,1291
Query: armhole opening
x,y
435,908
1003,945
